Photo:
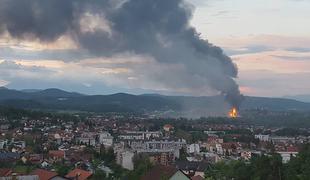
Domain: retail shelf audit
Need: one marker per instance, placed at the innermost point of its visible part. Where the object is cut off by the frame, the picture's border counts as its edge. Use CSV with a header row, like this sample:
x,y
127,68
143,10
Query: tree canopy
x,y
265,167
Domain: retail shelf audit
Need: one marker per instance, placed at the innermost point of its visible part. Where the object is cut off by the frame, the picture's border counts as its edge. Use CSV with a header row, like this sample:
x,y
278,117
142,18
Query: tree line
x,y
265,167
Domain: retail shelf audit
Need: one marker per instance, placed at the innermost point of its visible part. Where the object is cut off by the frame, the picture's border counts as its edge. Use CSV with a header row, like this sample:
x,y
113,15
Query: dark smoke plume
x,y
155,28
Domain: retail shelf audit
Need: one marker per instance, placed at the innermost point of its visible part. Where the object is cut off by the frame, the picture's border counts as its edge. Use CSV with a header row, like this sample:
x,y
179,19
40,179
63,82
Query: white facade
x,y
262,137
2,143
193,148
106,139
219,149
125,159
165,144
24,177
213,156
175,152
286,156
139,135
87,140
19,144
282,139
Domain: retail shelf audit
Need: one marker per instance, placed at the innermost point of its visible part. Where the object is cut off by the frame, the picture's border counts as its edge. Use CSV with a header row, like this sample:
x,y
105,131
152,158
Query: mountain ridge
x,y
300,97
58,99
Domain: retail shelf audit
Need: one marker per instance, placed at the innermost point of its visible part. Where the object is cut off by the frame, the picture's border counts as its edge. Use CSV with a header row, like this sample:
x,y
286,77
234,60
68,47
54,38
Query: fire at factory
x,y
233,113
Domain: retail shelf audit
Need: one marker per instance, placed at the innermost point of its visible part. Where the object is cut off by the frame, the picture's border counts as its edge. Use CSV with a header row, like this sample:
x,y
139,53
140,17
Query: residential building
x,y
21,177
4,172
165,172
79,174
87,138
139,135
168,127
192,168
262,137
193,149
106,139
44,174
286,156
3,143
125,159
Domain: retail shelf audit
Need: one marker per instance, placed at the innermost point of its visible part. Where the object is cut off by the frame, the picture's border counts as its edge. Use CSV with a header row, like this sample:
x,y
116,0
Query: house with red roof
x,y
168,127
292,149
4,172
79,174
56,155
44,174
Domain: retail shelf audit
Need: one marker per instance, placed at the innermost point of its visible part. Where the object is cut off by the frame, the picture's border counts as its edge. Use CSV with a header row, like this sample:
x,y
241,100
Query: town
x,y
37,145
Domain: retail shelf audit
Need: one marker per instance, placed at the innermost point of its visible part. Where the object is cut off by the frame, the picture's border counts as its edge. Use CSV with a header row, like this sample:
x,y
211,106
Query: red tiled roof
x,y
168,126
5,172
35,158
44,174
292,149
57,153
79,173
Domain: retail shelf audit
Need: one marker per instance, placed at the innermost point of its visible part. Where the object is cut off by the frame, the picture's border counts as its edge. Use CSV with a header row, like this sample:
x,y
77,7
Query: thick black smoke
x,y
155,28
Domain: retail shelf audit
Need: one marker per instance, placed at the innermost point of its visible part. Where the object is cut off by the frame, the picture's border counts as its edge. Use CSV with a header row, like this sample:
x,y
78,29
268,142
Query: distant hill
x,y
275,104
7,94
57,93
186,106
302,97
30,90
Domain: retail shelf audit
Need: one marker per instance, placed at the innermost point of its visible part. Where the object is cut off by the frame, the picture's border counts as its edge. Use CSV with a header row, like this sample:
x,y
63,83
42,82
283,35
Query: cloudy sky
x,y
268,40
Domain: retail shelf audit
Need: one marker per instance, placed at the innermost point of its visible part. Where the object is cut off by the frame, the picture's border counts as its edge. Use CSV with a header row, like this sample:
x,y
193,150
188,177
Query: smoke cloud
x,y
158,29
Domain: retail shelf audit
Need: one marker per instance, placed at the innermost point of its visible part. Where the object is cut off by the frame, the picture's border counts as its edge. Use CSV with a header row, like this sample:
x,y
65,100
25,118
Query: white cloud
x,y
64,42
94,23
3,82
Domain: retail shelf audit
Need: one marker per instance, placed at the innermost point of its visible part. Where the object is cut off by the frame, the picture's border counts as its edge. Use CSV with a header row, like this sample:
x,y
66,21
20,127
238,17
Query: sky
x,y
268,40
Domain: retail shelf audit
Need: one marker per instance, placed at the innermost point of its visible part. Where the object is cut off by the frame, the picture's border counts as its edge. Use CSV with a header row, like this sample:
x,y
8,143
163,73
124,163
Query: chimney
x,y
77,175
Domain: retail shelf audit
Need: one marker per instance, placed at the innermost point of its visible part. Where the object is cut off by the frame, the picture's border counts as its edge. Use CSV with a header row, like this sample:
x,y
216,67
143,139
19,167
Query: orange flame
x,y
233,113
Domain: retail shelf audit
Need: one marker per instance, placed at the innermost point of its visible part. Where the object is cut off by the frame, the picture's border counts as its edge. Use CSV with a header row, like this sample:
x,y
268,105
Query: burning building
x,y
233,113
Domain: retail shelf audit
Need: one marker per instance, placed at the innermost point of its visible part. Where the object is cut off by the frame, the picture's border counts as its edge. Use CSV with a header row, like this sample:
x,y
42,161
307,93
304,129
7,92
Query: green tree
x,y
142,164
61,169
299,167
267,167
183,154
99,175
260,168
